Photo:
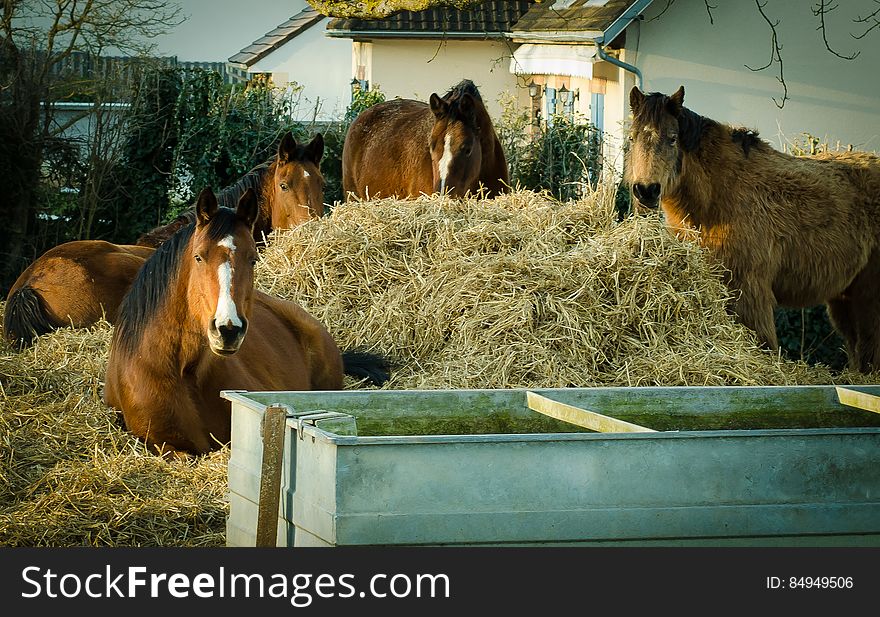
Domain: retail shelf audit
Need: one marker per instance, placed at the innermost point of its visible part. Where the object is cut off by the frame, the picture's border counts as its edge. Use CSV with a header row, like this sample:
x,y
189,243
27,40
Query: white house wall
x,y
831,98
321,65
416,69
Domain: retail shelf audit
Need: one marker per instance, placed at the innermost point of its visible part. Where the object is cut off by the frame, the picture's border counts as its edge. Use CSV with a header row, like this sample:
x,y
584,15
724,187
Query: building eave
x,y
584,36
409,34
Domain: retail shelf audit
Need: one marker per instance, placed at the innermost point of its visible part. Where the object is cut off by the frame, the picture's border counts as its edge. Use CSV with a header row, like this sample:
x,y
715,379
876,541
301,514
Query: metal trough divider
x,y
859,400
273,423
581,417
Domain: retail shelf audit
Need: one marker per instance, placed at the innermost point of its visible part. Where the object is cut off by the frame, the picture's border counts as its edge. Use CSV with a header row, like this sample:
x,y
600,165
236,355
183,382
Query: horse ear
x,y
287,148
676,101
315,149
438,105
466,105
636,98
206,206
248,208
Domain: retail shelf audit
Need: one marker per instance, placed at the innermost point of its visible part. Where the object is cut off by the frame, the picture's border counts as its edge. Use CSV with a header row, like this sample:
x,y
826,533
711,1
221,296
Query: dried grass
x,y
71,475
521,291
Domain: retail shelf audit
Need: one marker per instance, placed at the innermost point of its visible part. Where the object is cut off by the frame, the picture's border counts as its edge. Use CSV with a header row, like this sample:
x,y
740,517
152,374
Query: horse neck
x,y
487,134
704,173
173,343
265,193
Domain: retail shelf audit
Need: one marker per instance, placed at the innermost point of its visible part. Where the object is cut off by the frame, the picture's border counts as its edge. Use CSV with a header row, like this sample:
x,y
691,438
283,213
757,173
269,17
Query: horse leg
x,y
840,311
754,309
866,312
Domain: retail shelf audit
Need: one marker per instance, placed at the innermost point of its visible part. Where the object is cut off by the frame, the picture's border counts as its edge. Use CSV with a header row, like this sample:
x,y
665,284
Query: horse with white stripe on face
x,y
405,147
192,324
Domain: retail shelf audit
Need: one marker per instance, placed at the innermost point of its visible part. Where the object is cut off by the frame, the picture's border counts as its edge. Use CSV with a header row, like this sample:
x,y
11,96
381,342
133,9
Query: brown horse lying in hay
x,y
792,231
192,324
289,189
73,284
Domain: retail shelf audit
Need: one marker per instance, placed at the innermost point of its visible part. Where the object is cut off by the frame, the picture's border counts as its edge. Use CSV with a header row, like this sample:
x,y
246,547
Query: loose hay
x,y
521,291
71,475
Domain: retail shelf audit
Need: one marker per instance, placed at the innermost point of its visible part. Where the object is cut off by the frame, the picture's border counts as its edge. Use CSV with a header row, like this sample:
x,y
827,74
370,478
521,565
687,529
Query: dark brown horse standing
x,y
290,191
192,324
792,231
404,148
73,284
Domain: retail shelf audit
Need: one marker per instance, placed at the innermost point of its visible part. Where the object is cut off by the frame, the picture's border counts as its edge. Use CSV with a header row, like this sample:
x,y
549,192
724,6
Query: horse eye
x,y
284,186
198,258
672,140
253,262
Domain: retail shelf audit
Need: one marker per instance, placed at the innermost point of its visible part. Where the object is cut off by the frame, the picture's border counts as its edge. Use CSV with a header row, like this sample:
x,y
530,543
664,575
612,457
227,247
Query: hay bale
x,y
521,291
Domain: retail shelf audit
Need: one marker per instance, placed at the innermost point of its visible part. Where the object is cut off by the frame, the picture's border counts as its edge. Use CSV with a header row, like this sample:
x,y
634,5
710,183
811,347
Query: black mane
x,y
746,138
465,86
228,197
691,126
150,286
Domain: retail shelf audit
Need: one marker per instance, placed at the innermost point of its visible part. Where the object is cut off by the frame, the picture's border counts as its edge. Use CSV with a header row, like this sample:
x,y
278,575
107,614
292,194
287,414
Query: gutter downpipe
x,y
625,66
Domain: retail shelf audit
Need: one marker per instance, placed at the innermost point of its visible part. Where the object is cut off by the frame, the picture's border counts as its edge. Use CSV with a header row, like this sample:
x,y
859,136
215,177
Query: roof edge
x,y
409,34
311,21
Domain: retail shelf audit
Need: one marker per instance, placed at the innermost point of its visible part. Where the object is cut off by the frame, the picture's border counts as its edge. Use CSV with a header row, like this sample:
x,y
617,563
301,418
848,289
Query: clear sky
x,y
213,30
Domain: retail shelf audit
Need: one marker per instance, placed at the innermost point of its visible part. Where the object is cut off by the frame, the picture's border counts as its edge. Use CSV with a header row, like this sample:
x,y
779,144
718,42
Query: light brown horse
x,y
290,191
791,231
404,148
73,284
192,324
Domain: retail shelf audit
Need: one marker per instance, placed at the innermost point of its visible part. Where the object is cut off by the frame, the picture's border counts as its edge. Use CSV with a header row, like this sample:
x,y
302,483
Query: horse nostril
x,y
637,191
647,194
229,333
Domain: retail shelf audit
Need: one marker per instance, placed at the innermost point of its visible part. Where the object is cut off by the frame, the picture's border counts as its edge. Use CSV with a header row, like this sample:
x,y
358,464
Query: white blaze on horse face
x,y
226,313
445,162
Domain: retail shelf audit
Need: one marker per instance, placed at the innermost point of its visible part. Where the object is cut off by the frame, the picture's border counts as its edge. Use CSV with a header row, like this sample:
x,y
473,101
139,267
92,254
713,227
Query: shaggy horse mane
x,y
465,86
746,138
692,127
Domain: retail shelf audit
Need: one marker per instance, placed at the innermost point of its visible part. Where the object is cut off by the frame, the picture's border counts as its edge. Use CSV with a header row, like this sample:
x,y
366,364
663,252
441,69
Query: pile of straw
x,y
71,475
521,291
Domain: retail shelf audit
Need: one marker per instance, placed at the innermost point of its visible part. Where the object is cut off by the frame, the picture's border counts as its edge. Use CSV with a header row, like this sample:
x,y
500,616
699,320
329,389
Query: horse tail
x,y
366,365
25,318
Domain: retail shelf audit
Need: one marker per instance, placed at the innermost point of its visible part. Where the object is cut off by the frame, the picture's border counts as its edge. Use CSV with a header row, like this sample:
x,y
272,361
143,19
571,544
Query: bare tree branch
x,y
820,10
775,54
873,16
709,8
669,3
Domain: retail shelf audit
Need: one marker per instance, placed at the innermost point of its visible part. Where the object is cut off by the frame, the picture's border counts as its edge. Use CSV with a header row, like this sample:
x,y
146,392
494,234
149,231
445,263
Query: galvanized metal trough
x,y
724,465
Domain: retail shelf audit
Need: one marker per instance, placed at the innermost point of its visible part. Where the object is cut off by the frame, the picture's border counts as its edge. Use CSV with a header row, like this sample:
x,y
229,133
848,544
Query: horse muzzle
x,y
648,195
227,339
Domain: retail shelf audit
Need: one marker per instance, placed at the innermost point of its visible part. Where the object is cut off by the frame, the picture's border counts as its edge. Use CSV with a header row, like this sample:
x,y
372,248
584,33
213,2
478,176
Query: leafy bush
x,y
562,156
222,132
